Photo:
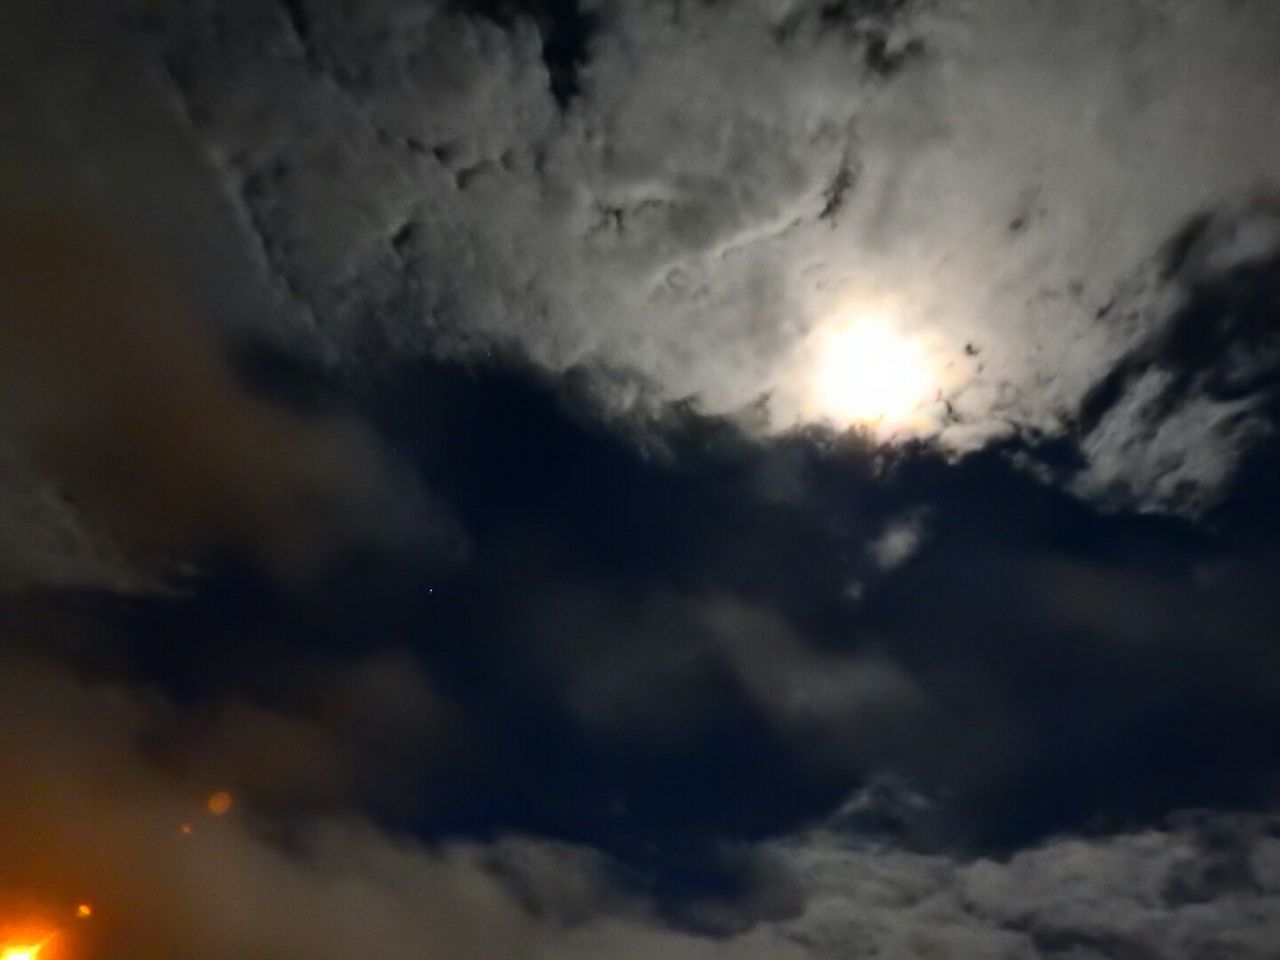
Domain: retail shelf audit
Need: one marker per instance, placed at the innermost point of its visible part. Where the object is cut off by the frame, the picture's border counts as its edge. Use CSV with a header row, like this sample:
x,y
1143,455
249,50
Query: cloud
x,y
679,612
727,180
1199,884
89,819
1168,428
311,735
899,540
863,700
48,542
114,392
666,667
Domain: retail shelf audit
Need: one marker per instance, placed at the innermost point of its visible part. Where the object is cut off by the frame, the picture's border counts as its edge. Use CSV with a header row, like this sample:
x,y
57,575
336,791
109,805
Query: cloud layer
x,y
104,825
730,180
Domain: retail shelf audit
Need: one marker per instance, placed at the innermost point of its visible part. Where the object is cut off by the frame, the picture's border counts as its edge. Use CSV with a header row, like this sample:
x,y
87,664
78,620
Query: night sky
x,y
639,479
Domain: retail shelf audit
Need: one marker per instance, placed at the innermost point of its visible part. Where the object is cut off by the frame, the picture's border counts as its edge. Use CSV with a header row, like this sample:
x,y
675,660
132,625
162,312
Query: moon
x,y
868,374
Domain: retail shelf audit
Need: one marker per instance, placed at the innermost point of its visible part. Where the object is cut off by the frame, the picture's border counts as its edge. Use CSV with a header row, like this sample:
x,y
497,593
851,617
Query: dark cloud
x,y
119,396
566,28
1032,666
101,824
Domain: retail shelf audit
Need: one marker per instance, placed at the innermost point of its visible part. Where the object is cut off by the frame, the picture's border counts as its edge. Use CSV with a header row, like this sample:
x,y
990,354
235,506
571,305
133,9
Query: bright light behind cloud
x,y
25,951
866,373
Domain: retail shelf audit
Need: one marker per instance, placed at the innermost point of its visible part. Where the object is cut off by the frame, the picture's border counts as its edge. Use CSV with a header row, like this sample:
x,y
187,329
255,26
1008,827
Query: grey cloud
x,y
898,541
1167,429
860,700
672,659
1201,886
1177,461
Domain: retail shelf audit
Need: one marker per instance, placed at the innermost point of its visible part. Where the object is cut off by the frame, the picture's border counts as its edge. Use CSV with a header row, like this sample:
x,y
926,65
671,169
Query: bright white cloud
x,y
733,184
734,179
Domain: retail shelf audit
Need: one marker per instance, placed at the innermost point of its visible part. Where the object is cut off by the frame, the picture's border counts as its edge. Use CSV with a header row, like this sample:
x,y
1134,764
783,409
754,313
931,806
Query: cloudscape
x,y
620,479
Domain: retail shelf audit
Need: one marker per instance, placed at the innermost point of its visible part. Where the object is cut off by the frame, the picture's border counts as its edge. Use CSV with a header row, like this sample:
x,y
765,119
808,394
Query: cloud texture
x,y
104,825
729,180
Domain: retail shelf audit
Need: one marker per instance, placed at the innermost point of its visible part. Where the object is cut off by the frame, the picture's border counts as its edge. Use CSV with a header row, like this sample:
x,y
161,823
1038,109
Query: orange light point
x,y
219,803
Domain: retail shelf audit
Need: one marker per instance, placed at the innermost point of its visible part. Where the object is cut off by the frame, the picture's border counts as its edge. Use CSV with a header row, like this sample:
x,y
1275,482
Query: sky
x,y
602,480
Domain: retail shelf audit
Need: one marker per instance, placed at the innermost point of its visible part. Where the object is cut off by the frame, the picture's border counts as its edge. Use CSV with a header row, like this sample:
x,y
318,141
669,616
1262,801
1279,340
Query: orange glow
x,y
23,951
84,911
218,804
186,829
